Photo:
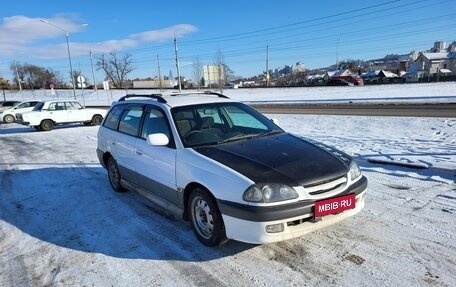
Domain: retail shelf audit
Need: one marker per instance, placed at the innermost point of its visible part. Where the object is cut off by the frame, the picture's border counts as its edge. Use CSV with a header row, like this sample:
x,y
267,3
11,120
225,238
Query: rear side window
x,y
131,120
112,119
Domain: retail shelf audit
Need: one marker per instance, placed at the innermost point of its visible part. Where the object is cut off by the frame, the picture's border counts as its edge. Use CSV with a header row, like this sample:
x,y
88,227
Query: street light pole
x,y
69,54
177,65
93,72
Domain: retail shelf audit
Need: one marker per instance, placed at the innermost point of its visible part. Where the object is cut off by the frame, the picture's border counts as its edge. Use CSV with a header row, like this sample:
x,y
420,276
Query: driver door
x,y
155,165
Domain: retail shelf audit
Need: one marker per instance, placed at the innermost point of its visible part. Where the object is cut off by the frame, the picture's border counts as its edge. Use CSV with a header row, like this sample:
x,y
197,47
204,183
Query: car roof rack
x,y
220,95
201,93
158,97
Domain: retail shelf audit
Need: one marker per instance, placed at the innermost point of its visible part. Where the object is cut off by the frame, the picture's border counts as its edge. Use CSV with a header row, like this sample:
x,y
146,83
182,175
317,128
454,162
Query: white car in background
x,y
9,115
47,114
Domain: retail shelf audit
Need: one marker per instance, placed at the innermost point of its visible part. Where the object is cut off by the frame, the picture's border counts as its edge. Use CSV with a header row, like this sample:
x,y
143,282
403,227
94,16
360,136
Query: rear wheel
x,y
46,125
114,175
96,120
206,219
8,119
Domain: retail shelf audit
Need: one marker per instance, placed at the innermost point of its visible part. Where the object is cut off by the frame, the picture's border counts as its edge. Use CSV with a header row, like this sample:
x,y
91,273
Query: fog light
x,y
274,228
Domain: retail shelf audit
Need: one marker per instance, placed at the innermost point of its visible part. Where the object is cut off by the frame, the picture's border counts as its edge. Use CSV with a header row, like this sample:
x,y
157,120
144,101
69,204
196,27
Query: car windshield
x,y
38,106
217,123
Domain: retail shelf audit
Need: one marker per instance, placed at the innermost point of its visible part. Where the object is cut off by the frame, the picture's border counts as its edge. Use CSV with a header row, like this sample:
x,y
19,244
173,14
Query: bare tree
x,y
116,67
197,72
220,66
35,77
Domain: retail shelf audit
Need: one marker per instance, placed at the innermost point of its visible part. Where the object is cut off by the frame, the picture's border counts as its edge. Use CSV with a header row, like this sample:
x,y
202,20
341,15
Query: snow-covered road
x,y
62,225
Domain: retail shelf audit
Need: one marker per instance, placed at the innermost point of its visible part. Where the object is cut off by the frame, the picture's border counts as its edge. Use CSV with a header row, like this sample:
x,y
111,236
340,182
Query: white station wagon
x,y
229,170
47,114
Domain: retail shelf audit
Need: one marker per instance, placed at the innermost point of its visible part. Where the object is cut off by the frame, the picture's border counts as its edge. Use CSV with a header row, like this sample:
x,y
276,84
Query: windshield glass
x,y
38,106
220,123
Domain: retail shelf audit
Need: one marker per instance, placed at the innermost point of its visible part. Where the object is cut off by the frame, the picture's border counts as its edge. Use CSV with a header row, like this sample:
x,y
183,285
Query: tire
x,y
8,119
46,125
206,219
114,175
96,120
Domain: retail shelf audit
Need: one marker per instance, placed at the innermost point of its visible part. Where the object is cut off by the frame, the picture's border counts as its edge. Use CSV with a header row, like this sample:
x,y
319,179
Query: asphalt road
x,y
444,110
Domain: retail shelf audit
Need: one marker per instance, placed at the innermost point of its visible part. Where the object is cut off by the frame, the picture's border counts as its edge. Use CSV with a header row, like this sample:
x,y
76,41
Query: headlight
x,y
269,193
355,172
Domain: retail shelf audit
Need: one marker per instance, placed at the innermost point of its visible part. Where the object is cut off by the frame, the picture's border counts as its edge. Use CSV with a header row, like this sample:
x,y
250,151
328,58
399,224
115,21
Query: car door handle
x,y
138,152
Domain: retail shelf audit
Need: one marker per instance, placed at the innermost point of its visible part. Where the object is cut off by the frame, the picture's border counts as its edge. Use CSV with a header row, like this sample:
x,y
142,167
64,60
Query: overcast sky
x,y
315,33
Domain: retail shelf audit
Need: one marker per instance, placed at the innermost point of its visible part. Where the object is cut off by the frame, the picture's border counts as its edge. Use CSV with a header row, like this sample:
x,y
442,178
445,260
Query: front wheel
x,y
8,119
206,219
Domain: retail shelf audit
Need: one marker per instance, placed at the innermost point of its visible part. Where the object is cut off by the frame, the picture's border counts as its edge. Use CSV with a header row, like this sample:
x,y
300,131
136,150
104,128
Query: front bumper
x,y
22,123
248,223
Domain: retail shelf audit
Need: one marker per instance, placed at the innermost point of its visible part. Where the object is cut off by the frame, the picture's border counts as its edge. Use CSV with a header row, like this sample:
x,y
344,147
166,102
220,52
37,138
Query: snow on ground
x,y
62,225
422,93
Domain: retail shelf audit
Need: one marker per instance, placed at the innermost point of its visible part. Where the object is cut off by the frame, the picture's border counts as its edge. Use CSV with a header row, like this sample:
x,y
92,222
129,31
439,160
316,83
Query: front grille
x,y
326,186
325,190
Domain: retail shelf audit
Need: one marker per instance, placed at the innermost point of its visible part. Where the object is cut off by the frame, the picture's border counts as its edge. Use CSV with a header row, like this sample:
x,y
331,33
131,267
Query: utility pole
x,y
209,76
177,65
159,73
267,65
17,75
68,50
93,72
337,54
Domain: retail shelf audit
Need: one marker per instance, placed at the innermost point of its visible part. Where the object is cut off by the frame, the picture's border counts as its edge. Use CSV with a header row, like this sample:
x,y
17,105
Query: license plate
x,y
334,205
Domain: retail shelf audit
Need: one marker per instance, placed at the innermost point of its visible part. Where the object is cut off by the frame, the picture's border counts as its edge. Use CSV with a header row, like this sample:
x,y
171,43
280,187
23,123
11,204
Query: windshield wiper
x,y
248,136
271,132
237,137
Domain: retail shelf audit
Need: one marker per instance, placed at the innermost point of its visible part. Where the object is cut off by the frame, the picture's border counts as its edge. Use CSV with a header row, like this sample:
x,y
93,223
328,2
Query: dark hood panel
x,y
280,158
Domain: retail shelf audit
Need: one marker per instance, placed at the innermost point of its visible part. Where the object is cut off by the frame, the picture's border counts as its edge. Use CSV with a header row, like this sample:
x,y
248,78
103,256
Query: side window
x,y
57,106
155,122
112,119
73,106
130,121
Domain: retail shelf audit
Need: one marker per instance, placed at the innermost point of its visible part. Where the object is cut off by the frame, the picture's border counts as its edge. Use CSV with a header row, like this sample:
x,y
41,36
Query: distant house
x,y
328,75
380,76
344,74
429,65
316,79
151,84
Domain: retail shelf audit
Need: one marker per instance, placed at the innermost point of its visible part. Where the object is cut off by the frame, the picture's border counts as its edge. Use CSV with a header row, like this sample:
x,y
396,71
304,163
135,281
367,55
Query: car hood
x,y
280,158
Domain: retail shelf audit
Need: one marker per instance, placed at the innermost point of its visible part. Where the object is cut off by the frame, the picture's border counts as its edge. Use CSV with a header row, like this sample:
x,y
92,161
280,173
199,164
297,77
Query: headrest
x,y
207,122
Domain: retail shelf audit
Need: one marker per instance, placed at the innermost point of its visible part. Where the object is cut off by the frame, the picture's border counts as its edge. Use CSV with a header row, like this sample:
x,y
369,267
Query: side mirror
x,y
157,139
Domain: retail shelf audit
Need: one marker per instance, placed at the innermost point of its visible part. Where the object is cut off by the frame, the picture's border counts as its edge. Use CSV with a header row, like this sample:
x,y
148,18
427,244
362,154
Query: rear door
x,y
57,112
124,141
